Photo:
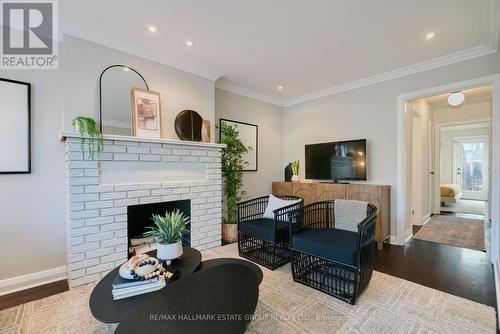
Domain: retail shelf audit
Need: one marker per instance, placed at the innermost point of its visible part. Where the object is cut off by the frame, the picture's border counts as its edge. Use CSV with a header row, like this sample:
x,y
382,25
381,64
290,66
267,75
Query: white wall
x,y
84,62
32,207
370,112
269,119
467,112
32,211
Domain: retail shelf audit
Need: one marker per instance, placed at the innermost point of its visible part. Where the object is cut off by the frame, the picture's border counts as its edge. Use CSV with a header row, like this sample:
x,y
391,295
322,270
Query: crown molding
x,y
240,90
452,58
128,48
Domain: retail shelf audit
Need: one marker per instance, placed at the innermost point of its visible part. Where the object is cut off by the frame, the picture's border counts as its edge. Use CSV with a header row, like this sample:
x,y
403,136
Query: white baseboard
x,y
28,281
497,284
409,235
394,240
426,219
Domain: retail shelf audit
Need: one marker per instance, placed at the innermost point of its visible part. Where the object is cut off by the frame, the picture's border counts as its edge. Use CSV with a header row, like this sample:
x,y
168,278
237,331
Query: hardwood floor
x,y
459,271
21,297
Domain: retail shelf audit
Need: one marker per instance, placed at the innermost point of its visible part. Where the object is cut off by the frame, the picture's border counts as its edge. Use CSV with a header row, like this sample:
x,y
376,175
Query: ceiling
x,y
472,95
303,46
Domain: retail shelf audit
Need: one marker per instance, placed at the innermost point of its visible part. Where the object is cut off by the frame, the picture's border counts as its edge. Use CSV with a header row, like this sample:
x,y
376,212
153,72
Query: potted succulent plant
x,y
232,169
87,128
295,171
169,230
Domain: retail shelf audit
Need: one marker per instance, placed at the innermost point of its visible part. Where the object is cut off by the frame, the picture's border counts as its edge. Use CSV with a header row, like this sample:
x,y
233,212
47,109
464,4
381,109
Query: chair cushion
x,y
349,213
332,244
263,228
275,203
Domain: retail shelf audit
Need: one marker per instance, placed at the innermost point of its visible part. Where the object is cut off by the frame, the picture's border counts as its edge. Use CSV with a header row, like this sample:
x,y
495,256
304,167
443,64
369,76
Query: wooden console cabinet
x,y
378,195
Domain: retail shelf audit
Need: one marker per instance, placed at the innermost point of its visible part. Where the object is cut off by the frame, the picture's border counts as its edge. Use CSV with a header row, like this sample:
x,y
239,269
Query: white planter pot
x,y
295,178
169,252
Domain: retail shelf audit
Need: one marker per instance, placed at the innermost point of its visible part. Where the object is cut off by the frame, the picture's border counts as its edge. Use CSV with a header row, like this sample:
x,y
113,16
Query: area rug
x,y
454,231
388,305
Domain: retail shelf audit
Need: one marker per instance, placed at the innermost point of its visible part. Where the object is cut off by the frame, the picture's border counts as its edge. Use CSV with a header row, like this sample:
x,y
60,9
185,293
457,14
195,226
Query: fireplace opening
x,y
139,218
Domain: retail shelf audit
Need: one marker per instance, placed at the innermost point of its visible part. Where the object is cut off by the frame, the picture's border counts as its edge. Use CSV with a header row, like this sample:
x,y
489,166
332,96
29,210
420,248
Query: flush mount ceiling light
x,y
280,87
189,43
456,99
152,29
430,35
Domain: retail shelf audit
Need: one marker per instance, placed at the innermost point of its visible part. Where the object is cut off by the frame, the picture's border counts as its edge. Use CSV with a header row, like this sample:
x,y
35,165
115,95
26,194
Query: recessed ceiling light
x,y
456,99
189,42
153,29
280,87
430,35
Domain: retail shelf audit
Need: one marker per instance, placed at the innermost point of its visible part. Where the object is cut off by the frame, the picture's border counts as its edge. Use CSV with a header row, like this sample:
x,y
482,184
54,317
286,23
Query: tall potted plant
x,y
232,169
169,230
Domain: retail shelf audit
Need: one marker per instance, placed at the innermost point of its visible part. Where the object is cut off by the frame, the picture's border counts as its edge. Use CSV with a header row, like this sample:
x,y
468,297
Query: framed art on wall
x,y
249,134
15,127
146,113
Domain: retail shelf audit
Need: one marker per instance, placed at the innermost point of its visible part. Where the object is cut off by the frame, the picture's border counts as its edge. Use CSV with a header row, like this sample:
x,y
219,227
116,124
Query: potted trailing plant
x,y
295,171
87,128
232,169
169,230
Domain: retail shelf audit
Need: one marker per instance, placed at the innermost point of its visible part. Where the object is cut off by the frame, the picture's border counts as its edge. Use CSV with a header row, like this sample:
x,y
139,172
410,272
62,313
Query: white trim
x,y
28,281
400,190
467,126
438,127
452,58
426,218
394,240
72,134
128,48
497,285
240,90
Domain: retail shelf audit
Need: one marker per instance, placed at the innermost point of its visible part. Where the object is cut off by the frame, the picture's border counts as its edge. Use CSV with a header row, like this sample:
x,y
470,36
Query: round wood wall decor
x,y
188,125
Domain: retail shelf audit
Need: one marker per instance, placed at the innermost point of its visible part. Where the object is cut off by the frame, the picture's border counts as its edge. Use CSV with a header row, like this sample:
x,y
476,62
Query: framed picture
x,y
15,127
146,113
249,134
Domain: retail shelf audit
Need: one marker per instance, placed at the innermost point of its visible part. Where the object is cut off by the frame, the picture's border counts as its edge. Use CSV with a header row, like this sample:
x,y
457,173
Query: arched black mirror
x,y
115,85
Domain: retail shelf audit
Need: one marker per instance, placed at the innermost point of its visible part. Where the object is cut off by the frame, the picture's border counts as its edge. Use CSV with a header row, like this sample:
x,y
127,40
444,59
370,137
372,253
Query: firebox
x,y
139,218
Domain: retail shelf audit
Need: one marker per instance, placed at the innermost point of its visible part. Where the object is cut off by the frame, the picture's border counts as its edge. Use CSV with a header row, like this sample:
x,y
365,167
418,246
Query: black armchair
x,y
263,240
336,261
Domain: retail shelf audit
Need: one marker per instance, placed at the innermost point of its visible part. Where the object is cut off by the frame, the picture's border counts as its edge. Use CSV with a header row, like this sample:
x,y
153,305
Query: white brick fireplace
x,y
133,171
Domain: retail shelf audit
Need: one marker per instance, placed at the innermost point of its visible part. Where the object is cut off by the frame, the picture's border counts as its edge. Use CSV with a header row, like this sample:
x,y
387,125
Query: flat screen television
x,y
337,161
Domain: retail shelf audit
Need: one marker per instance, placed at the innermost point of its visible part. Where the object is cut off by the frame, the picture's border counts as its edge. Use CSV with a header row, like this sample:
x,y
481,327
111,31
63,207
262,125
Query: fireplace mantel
x,y
73,134
133,171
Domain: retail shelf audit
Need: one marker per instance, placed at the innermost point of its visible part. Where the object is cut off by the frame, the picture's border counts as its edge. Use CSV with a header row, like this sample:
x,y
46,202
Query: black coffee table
x,y
220,298
204,265
107,310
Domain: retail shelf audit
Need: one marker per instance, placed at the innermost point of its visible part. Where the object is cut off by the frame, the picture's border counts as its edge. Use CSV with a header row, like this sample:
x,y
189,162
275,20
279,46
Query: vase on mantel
x,y
295,178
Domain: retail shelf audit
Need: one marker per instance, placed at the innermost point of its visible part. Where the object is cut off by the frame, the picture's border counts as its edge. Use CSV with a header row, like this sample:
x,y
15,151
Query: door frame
x,y
436,206
486,165
402,191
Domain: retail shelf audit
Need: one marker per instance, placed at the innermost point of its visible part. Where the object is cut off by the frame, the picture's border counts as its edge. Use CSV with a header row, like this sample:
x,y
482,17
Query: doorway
x,y
470,164
404,189
460,172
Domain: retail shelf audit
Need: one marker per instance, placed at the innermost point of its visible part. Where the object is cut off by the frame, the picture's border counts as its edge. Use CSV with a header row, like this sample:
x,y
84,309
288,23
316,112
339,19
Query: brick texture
x,y
96,212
